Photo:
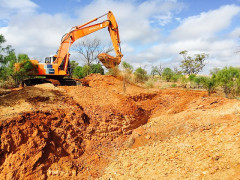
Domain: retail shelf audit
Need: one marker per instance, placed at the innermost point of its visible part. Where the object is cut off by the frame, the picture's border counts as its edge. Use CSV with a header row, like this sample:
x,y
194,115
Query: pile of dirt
x,y
102,129
188,136
65,131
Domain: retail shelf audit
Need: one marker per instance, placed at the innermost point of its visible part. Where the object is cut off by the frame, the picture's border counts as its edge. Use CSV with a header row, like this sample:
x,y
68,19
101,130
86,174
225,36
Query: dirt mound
x,y
189,136
67,130
77,132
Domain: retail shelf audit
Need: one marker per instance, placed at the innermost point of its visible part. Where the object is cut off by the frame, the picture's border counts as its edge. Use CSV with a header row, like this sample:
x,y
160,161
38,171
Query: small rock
x,y
148,137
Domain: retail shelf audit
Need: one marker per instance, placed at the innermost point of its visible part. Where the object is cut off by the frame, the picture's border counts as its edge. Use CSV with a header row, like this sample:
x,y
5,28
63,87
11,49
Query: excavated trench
x,y
75,132
56,139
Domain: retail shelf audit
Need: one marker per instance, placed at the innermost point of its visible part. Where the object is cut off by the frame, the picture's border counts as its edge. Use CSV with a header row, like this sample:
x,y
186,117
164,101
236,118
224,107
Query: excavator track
x,y
55,82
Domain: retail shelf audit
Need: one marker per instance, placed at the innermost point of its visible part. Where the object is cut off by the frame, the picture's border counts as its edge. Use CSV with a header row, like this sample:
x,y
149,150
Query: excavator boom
x,y
85,29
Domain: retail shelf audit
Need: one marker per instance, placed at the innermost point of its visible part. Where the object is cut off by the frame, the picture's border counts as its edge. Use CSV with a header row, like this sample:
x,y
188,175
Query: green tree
x,y
73,65
8,59
175,77
191,78
24,69
127,74
209,83
96,68
127,67
22,57
214,70
154,70
167,74
78,72
197,81
140,75
192,65
115,71
228,79
184,81
6,54
157,70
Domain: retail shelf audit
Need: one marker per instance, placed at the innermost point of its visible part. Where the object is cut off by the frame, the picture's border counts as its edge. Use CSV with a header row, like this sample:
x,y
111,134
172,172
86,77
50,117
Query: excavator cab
x,y
50,60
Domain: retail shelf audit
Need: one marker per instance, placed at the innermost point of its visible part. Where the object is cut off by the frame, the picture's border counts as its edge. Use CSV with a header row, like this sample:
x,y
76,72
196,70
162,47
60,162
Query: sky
x,y
152,32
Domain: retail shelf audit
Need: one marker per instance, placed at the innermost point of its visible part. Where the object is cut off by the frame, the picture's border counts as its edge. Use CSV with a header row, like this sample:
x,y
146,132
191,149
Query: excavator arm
x,y
85,29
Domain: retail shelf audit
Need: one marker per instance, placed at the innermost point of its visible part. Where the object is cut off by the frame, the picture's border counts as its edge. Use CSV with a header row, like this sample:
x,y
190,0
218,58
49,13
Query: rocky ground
x,y
100,131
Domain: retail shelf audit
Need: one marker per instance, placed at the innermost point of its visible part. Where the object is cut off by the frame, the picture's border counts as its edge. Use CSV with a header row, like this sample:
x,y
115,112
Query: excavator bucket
x,y
108,60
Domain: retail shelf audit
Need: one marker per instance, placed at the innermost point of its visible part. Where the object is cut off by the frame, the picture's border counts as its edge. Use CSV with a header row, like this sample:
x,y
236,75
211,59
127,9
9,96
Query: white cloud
x,y
199,34
140,26
13,7
206,24
39,34
235,33
135,20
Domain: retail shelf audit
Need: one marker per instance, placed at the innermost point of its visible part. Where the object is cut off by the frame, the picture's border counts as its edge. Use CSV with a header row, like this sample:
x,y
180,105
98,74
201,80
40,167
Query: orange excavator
x,y
56,67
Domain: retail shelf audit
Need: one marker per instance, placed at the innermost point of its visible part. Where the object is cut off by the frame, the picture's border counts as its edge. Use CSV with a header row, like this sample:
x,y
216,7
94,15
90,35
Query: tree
x,y
192,65
6,56
191,78
24,69
127,72
167,74
184,81
140,75
228,79
127,69
90,49
96,68
154,70
73,65
81,72
214,70
176,70
157,70
78,72
197,80
209,83
115,71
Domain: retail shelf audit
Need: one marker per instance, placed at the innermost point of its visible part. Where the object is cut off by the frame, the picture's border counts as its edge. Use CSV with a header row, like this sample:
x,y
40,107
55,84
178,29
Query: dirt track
x,y
97,130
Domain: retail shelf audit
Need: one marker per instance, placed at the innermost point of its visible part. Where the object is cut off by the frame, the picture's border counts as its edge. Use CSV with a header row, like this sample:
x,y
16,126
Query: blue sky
x,y
152,32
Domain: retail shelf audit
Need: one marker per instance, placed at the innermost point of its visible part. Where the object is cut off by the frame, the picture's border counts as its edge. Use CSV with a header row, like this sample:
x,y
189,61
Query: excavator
x,y
57,67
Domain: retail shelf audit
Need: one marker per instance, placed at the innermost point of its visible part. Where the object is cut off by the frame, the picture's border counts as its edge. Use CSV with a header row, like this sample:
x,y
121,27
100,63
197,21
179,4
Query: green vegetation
x,y
140,75
167,74
81,72
7,68
157,70
229,78
14,68
25,70
209,83
192,65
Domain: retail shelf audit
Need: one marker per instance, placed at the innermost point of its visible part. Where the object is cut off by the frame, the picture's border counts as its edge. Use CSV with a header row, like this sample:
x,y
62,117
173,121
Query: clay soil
x,y
100,131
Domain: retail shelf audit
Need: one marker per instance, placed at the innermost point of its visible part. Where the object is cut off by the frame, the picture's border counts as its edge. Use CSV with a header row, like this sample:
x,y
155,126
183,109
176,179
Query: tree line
x,y
228,78
8,76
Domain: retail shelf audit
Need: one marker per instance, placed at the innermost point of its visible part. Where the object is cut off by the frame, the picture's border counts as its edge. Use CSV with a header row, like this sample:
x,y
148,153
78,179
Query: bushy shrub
x,y
81,72
228,79
140,75
209,83
115,71
149,83
167,74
